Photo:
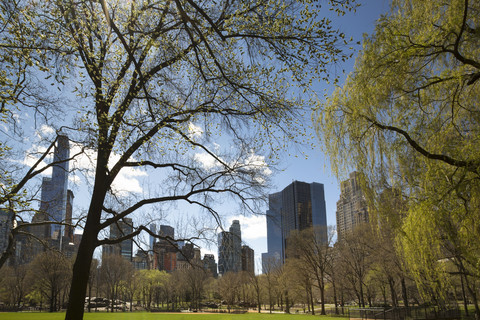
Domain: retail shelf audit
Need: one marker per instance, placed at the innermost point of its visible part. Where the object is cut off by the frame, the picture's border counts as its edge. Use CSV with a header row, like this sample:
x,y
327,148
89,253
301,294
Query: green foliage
x,y
408,118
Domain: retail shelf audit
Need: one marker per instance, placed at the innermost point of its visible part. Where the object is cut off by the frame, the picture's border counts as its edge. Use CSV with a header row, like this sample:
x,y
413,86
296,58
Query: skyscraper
x,y
248,259
210,265
299,206
5,228
165,250
153,229
124,248
54,190
230,249
56,199
352,206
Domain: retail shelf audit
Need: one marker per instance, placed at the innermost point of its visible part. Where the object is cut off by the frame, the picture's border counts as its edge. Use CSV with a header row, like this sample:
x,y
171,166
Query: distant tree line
x,y
363,269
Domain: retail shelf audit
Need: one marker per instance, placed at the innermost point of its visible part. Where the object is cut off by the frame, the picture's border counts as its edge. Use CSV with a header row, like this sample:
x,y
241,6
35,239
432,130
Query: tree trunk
x,y
335,300
362,298
404,293
393,294
464,296
311,301
322,296
81,267
287,303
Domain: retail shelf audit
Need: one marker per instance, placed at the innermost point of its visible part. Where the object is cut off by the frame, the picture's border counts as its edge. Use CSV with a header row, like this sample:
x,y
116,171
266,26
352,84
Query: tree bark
x,y
81,267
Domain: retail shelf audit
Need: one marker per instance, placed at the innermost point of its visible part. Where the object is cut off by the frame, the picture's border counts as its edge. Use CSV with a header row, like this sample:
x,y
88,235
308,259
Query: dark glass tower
x,y
299,206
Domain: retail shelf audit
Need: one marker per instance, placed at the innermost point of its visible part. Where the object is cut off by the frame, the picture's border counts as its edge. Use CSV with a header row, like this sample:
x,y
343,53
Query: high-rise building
x,y
299,206
56,201
248,259
141,260
153,229
5,228
125,247
230,249
165,250
210,265
69,229
352,207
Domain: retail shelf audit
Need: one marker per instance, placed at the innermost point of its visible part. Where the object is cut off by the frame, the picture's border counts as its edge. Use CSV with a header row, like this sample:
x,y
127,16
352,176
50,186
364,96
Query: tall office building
x,y
248,259
299,206
56,200
352,207
153,229
124,248
230,249
165,250
210,265
5,228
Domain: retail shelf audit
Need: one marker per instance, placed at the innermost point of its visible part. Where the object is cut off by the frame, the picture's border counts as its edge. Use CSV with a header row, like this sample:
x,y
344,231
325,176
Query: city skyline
x,y
297,166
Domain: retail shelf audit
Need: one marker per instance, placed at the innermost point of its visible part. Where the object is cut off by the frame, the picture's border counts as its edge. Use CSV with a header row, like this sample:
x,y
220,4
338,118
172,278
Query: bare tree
x,y
113,272
50,272
355,258
315,254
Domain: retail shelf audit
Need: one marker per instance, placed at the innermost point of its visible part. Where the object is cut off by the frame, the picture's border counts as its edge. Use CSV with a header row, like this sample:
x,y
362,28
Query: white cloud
x,y
126,181
253,227
74,179
32,156
44,131
194,131
206,160
255,161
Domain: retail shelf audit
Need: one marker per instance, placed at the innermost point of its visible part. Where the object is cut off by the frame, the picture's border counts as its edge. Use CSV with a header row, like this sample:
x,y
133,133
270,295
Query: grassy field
x,y
161,316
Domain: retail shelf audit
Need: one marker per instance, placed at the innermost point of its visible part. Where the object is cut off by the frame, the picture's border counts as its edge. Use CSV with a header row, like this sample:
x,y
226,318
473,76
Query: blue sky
x,y
309,165
315,167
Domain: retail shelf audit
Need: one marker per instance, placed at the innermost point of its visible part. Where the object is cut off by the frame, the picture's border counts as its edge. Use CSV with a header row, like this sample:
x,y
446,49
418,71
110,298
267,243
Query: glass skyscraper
x,y
56,201
54,189
299,206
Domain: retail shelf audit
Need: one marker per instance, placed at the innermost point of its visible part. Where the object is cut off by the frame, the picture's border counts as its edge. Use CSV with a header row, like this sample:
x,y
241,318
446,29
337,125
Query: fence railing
x,y
415,313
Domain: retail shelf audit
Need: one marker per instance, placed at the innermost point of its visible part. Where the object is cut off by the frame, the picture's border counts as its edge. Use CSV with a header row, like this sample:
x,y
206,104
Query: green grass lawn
x,y
159,316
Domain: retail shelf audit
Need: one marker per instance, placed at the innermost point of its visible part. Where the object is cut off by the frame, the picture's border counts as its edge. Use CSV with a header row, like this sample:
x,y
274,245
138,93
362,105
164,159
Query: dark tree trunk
x,y
404,293
335,300
81,267
464,296
81,270
393,294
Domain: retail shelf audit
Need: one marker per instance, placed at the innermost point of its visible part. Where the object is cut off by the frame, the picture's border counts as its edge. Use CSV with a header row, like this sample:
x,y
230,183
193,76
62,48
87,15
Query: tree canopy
x,y
408,118
158,84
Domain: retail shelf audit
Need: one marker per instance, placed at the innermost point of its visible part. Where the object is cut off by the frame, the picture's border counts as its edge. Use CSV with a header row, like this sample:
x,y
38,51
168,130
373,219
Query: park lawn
x,y
160,316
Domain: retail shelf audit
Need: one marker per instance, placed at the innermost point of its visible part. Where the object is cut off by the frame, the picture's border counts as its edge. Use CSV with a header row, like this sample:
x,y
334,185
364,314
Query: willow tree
x,y
408,117
162,86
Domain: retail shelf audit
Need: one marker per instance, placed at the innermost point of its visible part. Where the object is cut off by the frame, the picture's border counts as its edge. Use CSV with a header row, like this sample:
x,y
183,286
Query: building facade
x,y
5,228
248,259
351,207
56,203
210,265
230,249
125,247
299,206
165,250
